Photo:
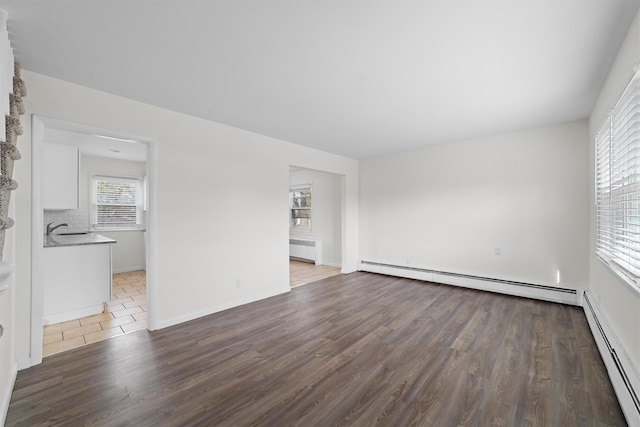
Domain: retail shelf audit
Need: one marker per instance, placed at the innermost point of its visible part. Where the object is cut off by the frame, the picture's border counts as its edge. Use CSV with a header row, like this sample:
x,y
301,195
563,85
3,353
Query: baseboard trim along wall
x,y
50,319
24,363
6,394
127,269
521,289
622,373
221,307
333,264
623,376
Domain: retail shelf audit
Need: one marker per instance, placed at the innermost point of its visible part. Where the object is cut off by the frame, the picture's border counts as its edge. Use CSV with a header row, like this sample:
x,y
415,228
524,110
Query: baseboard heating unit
x,y
620,369
308,250
528,290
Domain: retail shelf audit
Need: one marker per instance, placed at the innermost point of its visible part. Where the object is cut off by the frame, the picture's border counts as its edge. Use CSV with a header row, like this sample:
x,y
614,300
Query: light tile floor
x,y
126,312
301,273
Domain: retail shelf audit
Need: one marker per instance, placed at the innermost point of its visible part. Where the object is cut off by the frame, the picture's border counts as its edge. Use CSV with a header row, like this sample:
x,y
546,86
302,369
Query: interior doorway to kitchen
x,y
104,155
126,312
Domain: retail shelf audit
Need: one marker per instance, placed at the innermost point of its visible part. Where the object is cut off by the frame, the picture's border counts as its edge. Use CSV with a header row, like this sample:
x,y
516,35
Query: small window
x,y
300,205
117,203
617,186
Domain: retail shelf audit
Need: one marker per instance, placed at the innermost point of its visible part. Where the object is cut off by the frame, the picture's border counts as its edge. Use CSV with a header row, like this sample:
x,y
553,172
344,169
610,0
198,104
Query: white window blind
x,y
617,184
117,203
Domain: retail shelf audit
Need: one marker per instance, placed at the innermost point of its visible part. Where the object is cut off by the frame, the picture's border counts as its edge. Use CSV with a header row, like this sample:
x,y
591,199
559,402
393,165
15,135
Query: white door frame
x,y
38,126
343,214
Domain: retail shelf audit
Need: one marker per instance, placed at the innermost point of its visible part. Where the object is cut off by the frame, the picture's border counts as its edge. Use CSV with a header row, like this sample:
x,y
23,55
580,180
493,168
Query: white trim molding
x,y
521,289
622,373
221,307
52,319
128,269
5,395
620,369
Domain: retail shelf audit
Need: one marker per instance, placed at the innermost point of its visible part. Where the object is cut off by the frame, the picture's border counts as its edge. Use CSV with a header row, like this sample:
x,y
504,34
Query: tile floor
x,y
301,273
126,312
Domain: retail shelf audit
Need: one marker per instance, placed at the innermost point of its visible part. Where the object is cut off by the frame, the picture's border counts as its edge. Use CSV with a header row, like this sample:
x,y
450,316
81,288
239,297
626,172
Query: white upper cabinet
x,y
60,177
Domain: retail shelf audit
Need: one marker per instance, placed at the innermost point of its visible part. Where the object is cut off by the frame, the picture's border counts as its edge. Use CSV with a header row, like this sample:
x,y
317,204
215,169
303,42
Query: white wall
x,y
326,221
448,207
619,303
210,178
128,254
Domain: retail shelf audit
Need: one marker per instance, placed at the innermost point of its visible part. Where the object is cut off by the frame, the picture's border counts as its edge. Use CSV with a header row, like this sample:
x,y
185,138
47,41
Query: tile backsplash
x,y
78,220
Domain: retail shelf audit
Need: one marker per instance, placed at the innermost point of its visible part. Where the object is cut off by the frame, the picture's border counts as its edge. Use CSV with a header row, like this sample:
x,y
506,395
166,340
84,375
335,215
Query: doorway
x,y
110,153
315,225
126,312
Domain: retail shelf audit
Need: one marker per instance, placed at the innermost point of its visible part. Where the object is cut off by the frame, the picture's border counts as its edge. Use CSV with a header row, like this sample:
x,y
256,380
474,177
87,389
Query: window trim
x,y
620,272
140,203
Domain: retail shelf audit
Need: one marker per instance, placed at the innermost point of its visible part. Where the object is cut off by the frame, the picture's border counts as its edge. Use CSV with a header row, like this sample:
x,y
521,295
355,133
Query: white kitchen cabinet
x,y
77,281
60,176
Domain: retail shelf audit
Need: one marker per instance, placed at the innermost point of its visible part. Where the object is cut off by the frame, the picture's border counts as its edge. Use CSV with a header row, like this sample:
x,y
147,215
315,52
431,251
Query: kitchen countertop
x,y
57,240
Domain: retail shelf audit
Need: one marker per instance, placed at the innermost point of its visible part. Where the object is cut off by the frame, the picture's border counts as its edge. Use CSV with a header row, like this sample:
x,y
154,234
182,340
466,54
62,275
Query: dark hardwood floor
x,y
358,349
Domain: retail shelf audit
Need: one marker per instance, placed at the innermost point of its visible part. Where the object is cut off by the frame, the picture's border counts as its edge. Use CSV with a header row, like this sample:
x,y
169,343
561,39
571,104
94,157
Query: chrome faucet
x,y
50,229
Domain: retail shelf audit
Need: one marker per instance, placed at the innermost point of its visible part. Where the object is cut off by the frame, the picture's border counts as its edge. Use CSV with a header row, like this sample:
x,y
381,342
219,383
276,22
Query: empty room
x,y
320,213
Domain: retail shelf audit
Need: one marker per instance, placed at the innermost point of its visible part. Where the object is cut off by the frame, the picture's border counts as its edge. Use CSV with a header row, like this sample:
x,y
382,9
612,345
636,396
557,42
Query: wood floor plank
x,y
359,349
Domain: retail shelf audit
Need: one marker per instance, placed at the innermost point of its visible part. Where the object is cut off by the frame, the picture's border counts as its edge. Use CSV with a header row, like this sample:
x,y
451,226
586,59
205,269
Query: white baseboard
x,y
221,307
622,373
24,363
528,290
127,269
332,264
50,319
5,397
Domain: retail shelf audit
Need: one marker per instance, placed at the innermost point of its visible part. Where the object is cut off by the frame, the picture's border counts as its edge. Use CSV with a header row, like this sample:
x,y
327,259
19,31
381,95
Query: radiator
x,y
621,371
620,368
308,250
528,290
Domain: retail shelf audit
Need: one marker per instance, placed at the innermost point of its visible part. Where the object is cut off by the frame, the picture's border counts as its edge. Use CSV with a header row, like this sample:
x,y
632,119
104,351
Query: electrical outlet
x,y
237,284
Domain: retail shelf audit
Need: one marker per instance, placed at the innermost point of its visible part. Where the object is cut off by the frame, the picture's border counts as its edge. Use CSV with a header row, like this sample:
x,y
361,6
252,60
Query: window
x,y
300,205
617,185
117,203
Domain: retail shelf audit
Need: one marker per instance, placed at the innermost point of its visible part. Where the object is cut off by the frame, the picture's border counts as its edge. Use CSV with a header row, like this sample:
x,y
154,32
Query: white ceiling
x,y
98,145
358,78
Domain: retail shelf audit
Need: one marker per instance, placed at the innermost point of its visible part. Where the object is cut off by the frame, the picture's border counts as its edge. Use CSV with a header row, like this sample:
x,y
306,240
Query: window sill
x,y
619,272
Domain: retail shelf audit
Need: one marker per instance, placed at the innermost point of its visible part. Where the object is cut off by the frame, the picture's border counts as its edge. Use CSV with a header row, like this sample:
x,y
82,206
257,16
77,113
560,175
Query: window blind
x,y
603,185
117,202
618,183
